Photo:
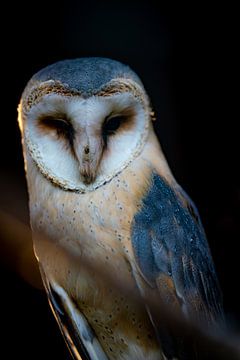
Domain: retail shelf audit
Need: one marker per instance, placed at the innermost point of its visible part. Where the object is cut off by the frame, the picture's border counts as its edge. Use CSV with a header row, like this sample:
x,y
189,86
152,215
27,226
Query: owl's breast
x,y
83,232
86,238
94,225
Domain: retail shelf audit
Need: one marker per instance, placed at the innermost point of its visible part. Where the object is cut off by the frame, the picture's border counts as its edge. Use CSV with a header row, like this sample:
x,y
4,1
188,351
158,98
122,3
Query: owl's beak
x,y
87,170
89,153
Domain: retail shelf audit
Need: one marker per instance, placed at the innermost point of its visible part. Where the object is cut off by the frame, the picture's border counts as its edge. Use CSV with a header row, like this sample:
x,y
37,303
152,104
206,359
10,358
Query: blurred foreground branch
x,y
17,249
17,252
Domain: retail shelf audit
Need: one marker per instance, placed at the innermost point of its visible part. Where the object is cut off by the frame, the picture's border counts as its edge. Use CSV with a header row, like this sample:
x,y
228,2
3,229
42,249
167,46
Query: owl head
x,y
83,121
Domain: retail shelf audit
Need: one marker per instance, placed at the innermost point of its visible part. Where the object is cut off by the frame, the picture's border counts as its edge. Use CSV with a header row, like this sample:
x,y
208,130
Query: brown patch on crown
x,y
33,94
116,87
55,87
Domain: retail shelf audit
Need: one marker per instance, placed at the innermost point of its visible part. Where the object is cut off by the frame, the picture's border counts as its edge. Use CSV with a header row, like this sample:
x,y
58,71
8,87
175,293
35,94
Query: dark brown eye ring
x,y
62,126
111,125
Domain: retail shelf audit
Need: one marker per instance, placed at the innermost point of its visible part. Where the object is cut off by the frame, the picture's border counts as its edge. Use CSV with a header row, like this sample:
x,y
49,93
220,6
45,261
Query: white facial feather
x,y
54,158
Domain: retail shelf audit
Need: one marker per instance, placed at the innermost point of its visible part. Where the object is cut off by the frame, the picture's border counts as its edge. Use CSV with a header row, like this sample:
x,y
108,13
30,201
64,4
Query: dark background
x,y
186,59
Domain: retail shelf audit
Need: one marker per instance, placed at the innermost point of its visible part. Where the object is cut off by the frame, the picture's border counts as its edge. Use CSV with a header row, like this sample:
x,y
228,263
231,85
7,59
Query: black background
x,y
186,57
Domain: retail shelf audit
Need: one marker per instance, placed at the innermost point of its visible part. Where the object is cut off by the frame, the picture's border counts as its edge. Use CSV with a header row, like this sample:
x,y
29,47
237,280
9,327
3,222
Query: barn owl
x,y
101,192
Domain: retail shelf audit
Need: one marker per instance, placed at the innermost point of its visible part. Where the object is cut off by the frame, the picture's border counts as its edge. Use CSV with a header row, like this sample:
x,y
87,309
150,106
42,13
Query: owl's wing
x,y
80,338
172,253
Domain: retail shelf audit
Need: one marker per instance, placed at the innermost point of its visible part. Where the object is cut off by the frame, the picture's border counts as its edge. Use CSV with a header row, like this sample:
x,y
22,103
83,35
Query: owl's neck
x,y
152,154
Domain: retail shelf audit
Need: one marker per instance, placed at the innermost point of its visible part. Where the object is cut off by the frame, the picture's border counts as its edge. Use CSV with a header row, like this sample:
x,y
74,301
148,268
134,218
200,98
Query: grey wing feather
x,y
170,247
